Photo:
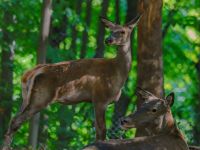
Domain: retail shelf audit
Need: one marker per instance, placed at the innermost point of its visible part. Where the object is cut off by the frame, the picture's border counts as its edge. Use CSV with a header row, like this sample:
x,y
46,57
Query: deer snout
x,y
109,40
124,121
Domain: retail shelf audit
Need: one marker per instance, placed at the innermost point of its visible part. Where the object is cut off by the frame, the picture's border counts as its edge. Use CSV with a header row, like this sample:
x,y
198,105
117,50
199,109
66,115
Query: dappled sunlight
x,y
73,126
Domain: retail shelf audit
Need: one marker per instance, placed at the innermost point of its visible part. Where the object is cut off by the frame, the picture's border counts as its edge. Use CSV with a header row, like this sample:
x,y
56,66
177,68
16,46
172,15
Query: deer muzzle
x,y
125,123
109,40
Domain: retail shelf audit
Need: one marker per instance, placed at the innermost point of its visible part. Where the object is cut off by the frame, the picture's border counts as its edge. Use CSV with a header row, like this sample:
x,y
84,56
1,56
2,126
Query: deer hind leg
x,y
39,100
16,123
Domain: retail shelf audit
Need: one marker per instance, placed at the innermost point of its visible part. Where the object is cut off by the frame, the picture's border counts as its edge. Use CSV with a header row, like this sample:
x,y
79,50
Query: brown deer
x,y
85,80
166,137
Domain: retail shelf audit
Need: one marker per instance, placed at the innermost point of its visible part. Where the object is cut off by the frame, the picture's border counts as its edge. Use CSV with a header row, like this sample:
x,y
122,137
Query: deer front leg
x,y
100,124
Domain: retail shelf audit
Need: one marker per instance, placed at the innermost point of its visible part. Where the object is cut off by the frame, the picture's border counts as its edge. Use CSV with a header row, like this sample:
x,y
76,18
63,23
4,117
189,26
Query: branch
x,y
170,15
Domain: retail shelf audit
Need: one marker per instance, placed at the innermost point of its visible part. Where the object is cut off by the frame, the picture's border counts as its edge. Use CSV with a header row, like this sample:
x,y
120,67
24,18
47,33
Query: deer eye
x,y
154,110
122,32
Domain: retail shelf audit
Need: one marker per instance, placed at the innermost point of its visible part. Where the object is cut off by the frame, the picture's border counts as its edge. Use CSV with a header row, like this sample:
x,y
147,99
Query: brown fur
x,y
85,80
166,137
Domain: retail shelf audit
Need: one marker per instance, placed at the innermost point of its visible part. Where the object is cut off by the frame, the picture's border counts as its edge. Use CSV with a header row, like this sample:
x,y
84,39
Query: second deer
x,y
166,137
86,80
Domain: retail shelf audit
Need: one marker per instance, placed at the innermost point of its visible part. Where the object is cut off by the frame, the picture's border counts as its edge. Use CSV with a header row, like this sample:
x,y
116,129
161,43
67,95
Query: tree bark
x,y
101,32
196,131
57,34
85,32
74,30
122,105
41,59
117,12
149,54
6,80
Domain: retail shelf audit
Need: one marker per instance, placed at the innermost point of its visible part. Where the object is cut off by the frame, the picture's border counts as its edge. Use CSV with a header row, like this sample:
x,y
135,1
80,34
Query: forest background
x,y
75,31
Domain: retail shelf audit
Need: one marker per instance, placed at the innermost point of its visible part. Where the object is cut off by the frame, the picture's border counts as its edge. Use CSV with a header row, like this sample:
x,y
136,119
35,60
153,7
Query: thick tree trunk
x,y
6,80
150,65
122,105
41,59
85,32
101,32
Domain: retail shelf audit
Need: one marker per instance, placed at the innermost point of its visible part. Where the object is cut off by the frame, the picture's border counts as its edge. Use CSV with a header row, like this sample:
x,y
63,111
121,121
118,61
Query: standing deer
x,y
166,137
85,80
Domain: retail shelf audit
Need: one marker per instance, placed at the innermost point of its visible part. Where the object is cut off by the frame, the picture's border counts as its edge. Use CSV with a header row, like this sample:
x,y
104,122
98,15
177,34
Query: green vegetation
x,y
73,126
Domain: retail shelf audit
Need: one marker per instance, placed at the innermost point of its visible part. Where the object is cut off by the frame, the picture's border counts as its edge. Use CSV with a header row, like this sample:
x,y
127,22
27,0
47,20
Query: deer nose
x,y
109,40
124,121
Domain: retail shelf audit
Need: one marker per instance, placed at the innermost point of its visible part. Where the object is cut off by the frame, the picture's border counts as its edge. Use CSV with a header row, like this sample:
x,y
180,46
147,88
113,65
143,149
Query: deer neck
x,y
124,58
162,124
169,127
167,122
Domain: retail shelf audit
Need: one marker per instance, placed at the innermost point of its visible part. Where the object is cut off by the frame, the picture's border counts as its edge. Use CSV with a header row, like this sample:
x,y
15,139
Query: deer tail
x,y
27,87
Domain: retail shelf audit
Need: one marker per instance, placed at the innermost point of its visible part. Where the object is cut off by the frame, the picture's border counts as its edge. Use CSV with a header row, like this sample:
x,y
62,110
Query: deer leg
x,y
16,123
100,124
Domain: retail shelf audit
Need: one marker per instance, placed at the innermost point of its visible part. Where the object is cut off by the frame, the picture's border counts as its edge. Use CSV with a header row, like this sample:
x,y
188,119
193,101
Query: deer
x,y
97,80
166,137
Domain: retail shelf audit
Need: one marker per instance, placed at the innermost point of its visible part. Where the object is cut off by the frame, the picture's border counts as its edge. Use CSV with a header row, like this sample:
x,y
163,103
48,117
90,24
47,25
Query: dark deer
x,y
166,137
86,80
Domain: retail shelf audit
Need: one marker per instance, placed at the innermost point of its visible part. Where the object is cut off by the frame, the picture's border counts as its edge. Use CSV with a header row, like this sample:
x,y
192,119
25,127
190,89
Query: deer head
x,y
152,108
119,34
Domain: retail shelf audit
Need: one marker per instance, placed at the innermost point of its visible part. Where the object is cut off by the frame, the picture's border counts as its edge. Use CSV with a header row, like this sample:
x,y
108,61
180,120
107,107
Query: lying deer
x,y
167,137
86,80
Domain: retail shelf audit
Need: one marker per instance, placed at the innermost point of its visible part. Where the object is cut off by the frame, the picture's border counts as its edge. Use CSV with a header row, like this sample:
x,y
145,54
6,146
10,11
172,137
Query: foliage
x,y
180,48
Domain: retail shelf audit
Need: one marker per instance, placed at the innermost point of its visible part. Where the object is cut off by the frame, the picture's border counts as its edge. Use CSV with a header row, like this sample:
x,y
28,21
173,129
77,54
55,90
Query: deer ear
x,y
170,99
144,94
107,23
134,21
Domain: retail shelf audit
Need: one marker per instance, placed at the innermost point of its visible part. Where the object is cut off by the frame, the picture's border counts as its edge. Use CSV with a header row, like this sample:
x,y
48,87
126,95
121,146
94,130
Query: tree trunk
x,y
101,32
149,54
6,80
74,30
122,105
117,12
85,32
57,34
41,59
196,131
